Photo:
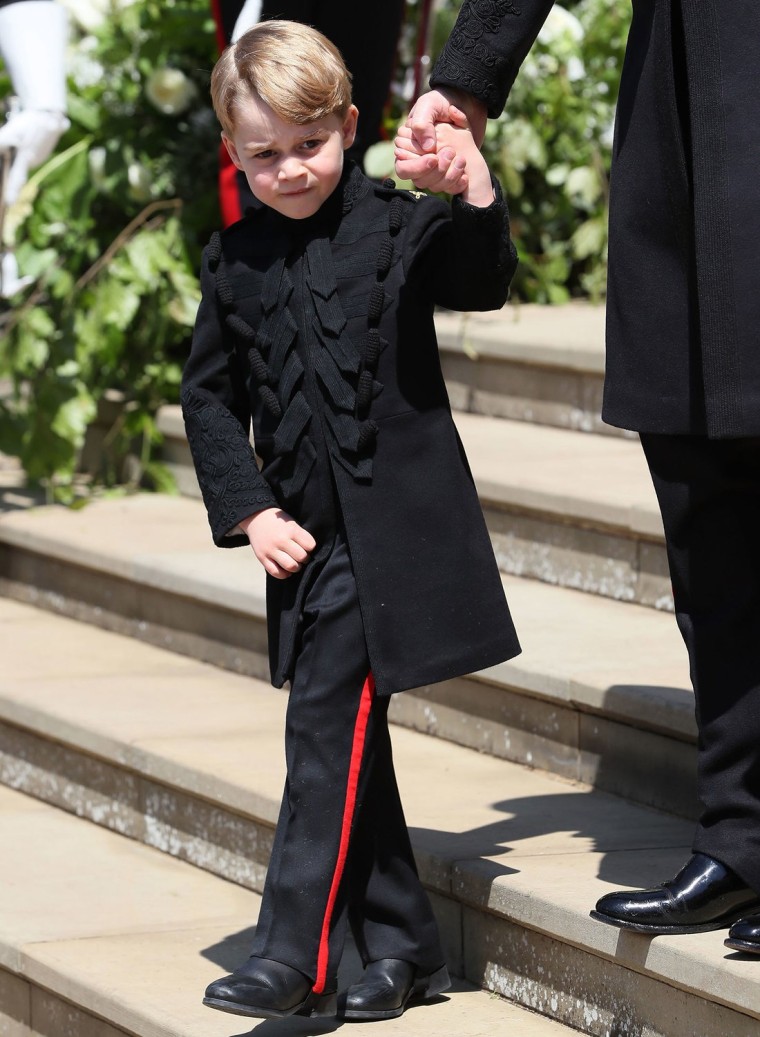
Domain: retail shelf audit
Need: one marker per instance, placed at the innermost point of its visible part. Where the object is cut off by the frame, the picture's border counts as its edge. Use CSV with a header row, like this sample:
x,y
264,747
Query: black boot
x,y
704,895
744,935
388,986
268,990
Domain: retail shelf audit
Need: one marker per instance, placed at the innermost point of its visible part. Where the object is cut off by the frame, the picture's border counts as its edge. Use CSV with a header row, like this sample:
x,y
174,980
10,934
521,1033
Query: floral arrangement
x,y
110,231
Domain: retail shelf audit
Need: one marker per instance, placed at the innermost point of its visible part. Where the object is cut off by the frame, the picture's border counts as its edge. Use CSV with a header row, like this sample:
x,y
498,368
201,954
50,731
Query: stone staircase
x,y
531,788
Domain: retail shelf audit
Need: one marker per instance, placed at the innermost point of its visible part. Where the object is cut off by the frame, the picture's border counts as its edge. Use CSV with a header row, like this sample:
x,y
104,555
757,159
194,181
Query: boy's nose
x,y
291,168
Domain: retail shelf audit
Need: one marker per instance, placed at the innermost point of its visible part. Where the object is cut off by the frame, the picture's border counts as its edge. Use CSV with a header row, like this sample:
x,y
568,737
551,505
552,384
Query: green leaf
x,y
379,160
590,238
73,417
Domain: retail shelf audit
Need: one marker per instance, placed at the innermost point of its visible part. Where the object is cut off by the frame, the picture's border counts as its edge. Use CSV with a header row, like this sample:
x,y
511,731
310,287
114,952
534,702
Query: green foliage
x,y
110,230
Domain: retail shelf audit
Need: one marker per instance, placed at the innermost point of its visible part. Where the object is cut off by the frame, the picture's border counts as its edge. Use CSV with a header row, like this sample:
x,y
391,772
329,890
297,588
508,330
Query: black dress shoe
x,y
268,990
744,935
388,986
704,895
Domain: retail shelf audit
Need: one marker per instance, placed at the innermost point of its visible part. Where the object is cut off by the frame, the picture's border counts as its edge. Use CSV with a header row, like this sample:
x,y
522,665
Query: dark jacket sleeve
x,y
487,45
216,410
461,256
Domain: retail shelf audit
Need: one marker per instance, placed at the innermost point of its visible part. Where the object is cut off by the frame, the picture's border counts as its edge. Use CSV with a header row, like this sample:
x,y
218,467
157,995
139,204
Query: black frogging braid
x,y
214,250
374,343
367,433
242,331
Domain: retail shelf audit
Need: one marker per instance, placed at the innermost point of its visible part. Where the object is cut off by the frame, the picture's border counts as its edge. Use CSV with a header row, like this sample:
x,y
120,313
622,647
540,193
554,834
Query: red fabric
x,y
229,194
221,42
357,753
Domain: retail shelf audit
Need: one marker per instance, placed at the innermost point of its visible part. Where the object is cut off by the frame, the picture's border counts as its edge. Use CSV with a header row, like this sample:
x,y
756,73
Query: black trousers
x,y
341,853
709,496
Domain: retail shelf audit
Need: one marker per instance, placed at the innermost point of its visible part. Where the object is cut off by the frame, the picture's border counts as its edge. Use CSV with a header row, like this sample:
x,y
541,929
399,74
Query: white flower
x,y
561,23
576,70
140,181
583,187
169,90
83,68
90,14
96,158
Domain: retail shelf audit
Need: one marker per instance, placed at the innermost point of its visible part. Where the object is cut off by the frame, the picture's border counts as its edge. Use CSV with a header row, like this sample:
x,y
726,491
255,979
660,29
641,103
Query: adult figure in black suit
x,y
683,370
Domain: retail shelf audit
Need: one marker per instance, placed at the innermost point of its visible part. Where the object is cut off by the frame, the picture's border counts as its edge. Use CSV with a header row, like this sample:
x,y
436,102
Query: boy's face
x,y
290,168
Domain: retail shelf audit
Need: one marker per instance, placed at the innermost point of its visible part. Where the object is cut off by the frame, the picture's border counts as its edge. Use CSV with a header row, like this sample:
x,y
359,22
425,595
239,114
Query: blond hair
x,y
292,67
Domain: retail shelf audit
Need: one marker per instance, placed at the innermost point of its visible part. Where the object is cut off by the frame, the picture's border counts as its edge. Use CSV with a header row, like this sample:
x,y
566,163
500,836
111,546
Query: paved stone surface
x,y
134,936
570,336
576,647
495,840
600,479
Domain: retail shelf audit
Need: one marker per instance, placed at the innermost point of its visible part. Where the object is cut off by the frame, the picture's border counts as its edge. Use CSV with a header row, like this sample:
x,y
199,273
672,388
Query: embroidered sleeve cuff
x,y
455,71
228,475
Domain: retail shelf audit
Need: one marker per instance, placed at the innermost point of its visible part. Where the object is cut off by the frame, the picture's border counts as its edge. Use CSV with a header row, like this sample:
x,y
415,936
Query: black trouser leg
x,y
339,768
709,496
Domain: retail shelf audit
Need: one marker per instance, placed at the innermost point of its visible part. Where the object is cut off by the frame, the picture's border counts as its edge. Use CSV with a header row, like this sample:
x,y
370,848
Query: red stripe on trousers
x,y
357,753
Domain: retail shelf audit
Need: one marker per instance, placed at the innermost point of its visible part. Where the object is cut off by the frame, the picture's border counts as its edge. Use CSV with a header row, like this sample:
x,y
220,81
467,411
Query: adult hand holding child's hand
x,y
416,156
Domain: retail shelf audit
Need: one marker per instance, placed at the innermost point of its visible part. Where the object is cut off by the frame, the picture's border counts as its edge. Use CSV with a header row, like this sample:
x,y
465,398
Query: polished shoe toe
x,y
388,986
744,935
704,895
268,989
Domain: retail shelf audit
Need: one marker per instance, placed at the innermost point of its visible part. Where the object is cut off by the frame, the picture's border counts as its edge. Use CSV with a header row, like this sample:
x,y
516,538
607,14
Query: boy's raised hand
x,y
447,170
443,105
279,543
461,166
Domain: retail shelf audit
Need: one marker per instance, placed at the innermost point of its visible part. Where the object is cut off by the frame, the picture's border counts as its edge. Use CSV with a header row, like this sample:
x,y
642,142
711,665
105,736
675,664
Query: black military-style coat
x,y
320,332
683,304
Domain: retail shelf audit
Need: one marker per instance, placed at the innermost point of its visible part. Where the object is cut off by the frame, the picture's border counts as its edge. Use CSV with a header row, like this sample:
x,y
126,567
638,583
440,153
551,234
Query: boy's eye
x,y
310,145
264,154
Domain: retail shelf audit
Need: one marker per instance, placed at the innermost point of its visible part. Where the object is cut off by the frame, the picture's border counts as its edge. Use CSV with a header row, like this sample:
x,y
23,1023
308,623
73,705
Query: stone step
x,y
600,693
541,364
104,937
569,509
188,759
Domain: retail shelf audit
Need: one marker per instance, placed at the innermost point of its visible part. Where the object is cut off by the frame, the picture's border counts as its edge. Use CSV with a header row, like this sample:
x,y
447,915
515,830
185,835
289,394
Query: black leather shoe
x,y
744,935
388,986
704,895
268,990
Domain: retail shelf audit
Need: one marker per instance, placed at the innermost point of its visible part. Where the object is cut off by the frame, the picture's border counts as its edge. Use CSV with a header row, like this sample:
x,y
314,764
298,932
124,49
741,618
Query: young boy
x,y
316,325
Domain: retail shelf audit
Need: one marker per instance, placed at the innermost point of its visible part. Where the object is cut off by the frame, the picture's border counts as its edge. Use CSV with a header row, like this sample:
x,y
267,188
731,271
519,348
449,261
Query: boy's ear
x,y
232,151
349,126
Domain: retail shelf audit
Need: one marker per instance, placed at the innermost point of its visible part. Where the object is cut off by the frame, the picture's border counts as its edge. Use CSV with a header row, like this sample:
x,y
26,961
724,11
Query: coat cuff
x,y
228,474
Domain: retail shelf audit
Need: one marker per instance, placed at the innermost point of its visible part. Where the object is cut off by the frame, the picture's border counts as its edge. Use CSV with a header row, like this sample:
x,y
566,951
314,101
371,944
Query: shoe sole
x,y
743,945
423,989
674,930
314,1005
